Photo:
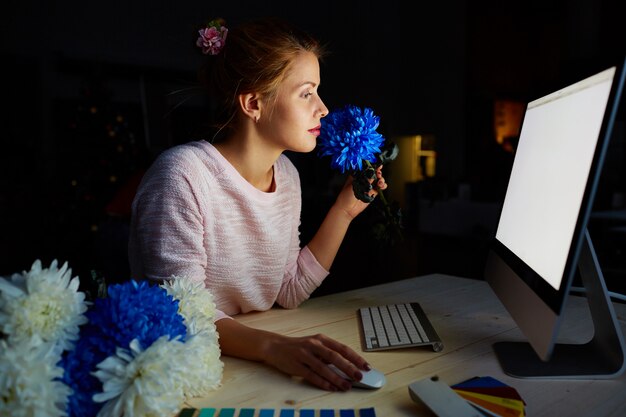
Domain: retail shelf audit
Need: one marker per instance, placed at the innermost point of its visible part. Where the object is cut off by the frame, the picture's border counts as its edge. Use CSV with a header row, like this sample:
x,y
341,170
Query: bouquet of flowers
x,y
141,351
349,137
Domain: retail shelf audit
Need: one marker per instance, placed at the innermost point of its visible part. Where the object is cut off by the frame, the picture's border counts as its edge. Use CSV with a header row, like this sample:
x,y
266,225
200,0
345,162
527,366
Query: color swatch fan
x,y
491,397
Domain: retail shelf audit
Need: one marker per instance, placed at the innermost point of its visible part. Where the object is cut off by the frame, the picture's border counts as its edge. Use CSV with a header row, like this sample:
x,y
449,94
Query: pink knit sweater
x,y
195,217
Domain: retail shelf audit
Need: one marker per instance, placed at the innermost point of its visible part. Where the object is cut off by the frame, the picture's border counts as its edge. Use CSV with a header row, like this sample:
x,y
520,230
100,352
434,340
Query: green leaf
x,y
388,153
361,184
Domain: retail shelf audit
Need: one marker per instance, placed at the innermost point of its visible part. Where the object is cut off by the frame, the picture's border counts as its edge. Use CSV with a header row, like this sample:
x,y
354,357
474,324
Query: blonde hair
x,y
255,59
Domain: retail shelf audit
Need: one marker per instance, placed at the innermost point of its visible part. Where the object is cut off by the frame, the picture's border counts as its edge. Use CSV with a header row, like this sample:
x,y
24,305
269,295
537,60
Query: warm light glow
x,y
416,161
507,119
417,156
425,157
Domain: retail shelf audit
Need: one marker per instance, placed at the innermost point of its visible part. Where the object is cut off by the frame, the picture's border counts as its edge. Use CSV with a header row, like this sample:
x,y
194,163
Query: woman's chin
x,y
306,146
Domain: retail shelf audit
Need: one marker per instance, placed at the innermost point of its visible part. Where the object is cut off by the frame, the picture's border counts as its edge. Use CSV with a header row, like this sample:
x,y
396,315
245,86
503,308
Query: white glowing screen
x,y
552,162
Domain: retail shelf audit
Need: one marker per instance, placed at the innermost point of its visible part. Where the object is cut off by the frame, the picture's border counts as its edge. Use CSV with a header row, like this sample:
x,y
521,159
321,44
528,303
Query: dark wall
x,y
425,67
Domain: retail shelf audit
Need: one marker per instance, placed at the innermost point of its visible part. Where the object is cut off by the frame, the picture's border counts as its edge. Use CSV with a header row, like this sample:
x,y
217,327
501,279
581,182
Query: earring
x,y
256,119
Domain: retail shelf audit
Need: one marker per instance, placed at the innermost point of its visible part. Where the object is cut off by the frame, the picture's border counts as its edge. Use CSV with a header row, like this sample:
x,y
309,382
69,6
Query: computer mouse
x,y
372,379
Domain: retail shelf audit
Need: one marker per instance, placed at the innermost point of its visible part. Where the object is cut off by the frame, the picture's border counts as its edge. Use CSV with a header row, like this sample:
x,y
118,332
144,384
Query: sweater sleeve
x,y
167,224
303,273
301,280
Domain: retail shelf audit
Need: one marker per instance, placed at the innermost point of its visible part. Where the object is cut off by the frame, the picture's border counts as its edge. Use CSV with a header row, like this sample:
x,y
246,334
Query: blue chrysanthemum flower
x,y
137,311
349,137
78,365
131,311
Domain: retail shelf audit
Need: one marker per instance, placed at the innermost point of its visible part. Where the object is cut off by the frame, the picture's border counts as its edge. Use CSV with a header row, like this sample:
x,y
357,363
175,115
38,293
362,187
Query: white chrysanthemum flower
x,y
42,302
28,385
143,383
195,303
205,369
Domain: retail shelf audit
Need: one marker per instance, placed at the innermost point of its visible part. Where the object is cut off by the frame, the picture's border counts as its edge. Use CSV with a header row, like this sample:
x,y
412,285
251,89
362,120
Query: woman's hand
x,y
351,205
308,357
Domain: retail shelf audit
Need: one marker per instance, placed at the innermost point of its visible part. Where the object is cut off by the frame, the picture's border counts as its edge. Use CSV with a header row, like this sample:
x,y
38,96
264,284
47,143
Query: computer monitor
x,y
542,236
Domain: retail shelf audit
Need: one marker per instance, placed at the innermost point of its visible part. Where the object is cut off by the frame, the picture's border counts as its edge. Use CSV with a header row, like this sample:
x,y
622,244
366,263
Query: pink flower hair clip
x,y
213,37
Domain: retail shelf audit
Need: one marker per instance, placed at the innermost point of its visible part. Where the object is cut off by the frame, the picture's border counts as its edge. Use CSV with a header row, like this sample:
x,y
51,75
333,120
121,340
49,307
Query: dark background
x,y
94,91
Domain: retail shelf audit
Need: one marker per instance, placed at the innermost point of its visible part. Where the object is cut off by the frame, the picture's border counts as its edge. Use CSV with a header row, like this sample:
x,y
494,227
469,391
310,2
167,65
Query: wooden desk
x,y
468,318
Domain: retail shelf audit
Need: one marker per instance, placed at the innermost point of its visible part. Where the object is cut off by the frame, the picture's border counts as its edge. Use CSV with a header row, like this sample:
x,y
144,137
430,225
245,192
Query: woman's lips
x,y
316,130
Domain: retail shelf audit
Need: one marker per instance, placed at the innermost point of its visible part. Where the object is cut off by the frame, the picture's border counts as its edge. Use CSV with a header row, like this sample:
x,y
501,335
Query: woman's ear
x,y
250,105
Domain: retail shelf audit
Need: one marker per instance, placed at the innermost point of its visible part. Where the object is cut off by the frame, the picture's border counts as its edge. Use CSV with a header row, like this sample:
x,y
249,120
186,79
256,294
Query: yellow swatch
x,y
499,405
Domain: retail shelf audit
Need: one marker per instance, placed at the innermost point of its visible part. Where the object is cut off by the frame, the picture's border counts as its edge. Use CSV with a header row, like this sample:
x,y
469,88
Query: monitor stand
x,y
601,357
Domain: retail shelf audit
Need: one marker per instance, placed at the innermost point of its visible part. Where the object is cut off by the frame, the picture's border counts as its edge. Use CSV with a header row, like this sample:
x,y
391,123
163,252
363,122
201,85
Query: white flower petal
x,y
28,384
11,289
195,303
148,384
49,305
204,368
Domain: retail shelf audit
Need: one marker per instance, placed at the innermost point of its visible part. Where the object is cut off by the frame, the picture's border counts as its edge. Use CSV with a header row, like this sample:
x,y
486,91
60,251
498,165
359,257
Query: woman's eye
x,y
308,94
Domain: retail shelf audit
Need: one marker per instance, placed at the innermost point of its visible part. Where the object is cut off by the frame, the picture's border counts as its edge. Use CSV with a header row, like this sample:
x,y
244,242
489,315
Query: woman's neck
x,y
254,162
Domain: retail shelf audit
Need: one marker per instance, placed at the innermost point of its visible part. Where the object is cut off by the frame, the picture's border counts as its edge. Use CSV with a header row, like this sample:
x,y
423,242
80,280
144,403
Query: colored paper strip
x,y
505,402
496,408
207,412
327,413
266,412
246,412
227,412
480,381
346,413
367,412
287,412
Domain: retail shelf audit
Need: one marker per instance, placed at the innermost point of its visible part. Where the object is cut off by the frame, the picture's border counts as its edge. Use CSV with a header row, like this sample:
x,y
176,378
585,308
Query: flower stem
x,y
383,200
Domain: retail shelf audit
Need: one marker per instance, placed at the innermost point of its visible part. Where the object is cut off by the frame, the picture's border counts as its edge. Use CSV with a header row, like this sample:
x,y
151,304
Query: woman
x,y
227,213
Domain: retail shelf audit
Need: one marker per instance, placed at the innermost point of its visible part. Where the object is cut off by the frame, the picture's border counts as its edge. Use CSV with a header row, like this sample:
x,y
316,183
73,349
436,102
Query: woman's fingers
x,y
309,357
324,378
332,379
314,365
381,180
345,353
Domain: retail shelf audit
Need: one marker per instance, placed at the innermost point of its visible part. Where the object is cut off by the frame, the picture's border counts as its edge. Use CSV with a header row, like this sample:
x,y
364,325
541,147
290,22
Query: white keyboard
x,y
395,326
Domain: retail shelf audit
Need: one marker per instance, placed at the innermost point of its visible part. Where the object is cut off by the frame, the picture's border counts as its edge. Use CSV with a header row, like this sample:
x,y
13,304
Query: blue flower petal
x,y
131,310
349,137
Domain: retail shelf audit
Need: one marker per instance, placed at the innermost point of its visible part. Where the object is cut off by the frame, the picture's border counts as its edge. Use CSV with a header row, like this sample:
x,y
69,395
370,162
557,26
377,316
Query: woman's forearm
x,y
326,242
306,356
242,341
